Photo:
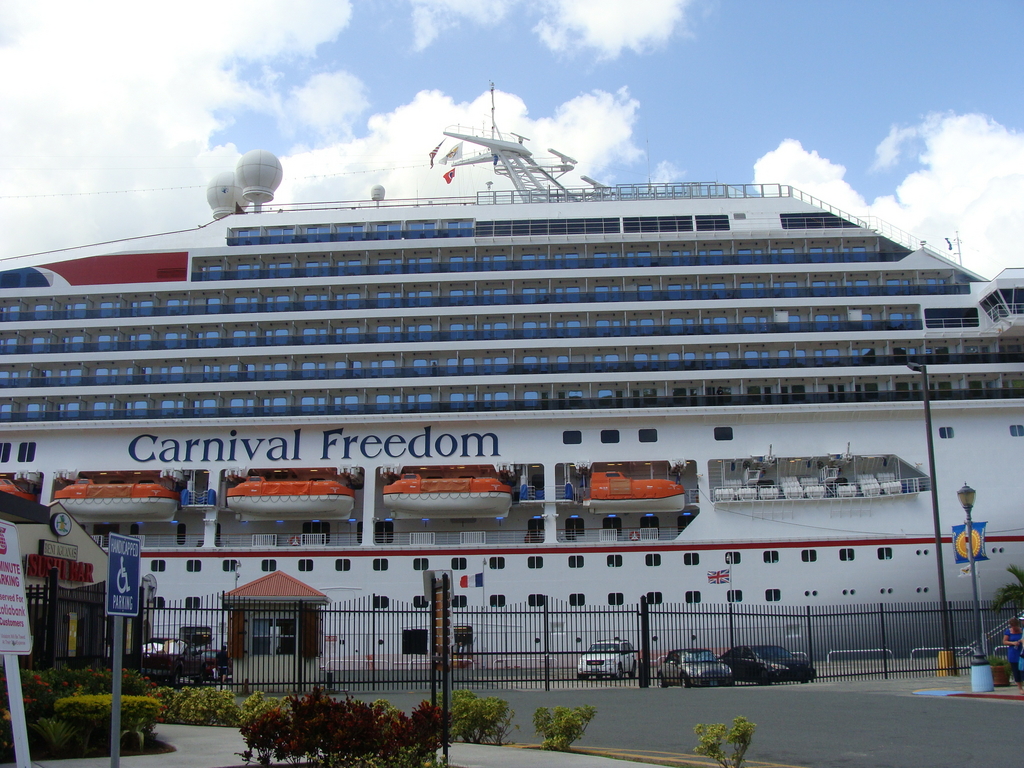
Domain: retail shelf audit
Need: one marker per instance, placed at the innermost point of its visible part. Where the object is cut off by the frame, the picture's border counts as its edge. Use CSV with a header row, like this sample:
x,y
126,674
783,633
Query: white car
x,y
608,658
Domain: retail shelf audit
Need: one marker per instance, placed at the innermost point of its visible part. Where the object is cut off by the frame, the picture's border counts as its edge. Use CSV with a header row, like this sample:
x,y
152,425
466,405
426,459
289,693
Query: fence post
x,y
885,655
810,639
300,645
732,628
645,643
50,648
547,658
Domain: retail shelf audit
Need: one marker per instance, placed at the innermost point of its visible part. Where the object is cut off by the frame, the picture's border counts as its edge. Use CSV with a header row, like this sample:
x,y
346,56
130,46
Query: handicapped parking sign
x,y
123,553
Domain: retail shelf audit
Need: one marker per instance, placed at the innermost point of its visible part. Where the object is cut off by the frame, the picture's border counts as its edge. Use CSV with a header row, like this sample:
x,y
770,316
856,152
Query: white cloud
x,y
565,26
609,26
432,17
888,152
327,103
971,179
667,173
136,88
399,142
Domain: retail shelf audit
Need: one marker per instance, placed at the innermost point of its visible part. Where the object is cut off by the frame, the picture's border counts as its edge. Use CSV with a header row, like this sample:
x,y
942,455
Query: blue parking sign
x,y
123,576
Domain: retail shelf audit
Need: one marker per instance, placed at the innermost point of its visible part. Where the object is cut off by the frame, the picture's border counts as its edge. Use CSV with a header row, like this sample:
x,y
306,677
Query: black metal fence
x,y
374,643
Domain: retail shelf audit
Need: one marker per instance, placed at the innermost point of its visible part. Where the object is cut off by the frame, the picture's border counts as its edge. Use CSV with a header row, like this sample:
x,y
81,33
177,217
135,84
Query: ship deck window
x,y
723,433
536,601
459,564
535,562
734,596
773,595
268,566
497,601
572,437
615,598
577,599
609,435
614,561
690,596
343,564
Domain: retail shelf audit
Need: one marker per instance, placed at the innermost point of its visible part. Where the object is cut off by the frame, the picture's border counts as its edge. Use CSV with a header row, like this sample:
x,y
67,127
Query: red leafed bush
x,y
322,731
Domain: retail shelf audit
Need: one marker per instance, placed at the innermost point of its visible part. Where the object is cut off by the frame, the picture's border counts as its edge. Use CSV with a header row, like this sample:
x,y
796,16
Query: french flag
x,y
478,581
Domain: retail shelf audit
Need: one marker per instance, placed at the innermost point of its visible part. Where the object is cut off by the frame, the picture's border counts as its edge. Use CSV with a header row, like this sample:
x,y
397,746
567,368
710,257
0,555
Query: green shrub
x,y
562,726
256,706
711,737
59,736
480,721
92,711
199,706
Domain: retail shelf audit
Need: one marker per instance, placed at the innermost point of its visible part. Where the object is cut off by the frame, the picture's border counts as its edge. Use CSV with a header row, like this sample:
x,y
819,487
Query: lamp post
x,y
981,672
946,664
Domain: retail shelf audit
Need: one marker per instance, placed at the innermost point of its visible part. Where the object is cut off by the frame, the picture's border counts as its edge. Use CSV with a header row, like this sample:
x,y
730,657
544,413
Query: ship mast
x,y
513,159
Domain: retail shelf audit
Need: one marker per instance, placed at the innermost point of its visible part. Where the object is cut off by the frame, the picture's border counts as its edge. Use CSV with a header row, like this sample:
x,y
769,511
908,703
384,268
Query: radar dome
x,y
377,192
259,175
223,194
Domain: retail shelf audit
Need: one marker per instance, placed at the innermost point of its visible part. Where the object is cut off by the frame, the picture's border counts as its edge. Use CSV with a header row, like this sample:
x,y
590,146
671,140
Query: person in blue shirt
x,y
1013,638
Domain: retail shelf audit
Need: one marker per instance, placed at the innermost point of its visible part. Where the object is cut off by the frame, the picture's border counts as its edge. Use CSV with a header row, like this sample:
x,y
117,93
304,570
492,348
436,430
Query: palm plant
x,y
1012,593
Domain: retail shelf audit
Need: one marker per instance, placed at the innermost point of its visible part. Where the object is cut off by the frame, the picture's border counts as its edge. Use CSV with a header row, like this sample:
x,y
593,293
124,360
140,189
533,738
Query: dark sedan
x,y
693,666
767,664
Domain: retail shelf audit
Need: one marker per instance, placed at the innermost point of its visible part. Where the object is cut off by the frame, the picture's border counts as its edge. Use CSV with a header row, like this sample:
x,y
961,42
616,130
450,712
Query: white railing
x,y
422,538
260,540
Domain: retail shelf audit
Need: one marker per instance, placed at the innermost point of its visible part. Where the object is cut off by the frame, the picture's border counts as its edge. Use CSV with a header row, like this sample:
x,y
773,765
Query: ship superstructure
x,y
582,394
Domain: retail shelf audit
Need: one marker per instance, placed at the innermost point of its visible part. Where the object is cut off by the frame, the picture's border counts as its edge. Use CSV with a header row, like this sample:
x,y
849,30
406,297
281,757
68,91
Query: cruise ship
x,y
692,392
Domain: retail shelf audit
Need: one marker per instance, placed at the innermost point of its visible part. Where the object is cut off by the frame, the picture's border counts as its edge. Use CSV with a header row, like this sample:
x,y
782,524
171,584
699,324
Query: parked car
x,y
767,664
608,658
172,662
209,674
693,666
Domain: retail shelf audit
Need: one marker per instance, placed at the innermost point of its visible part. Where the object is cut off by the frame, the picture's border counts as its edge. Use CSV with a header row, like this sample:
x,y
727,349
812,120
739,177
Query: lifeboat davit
x,y
110,502
262,499
7,486
613,492
416,496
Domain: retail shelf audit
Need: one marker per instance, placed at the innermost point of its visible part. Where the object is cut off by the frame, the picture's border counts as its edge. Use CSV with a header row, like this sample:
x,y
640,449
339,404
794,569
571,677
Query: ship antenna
x,y
494,128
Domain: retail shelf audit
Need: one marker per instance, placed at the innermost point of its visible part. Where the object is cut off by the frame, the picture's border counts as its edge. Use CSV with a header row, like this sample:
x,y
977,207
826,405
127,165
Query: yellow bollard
x,y
947,664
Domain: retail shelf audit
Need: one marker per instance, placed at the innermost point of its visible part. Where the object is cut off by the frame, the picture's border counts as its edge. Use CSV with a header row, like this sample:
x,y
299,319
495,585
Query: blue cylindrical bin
x,y
981,676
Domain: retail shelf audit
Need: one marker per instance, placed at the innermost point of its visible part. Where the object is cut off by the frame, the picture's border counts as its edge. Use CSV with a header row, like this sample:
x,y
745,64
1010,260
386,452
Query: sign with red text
x,y
15,636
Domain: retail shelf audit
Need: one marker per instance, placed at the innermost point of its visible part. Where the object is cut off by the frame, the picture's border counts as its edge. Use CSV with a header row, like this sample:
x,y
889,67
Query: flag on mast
x,y
455,153
449,176
477,581
434,152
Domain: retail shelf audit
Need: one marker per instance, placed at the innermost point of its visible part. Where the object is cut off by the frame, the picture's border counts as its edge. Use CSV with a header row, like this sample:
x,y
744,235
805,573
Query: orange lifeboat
x,y
415,496
8,486
261,499
613,492
88,500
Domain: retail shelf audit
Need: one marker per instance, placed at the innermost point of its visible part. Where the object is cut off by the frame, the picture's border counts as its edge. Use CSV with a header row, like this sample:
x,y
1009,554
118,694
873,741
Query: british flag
x,y
718,577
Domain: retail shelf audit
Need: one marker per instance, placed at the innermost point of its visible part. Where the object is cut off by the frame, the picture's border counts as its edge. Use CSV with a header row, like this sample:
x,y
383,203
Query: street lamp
x,y
981,672
945,664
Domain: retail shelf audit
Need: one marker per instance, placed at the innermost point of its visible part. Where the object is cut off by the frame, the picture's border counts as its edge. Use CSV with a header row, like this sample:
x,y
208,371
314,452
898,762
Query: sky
x,y
114,116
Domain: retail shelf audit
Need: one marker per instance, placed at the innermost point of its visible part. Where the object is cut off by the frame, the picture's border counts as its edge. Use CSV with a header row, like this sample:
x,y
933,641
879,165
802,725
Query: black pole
x,y
547,659
50,648
645,643
881,626
433,641
446,681
947,633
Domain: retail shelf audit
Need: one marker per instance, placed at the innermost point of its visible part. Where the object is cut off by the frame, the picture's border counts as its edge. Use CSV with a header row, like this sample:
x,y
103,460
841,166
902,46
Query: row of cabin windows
x,y
576,599
533,562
